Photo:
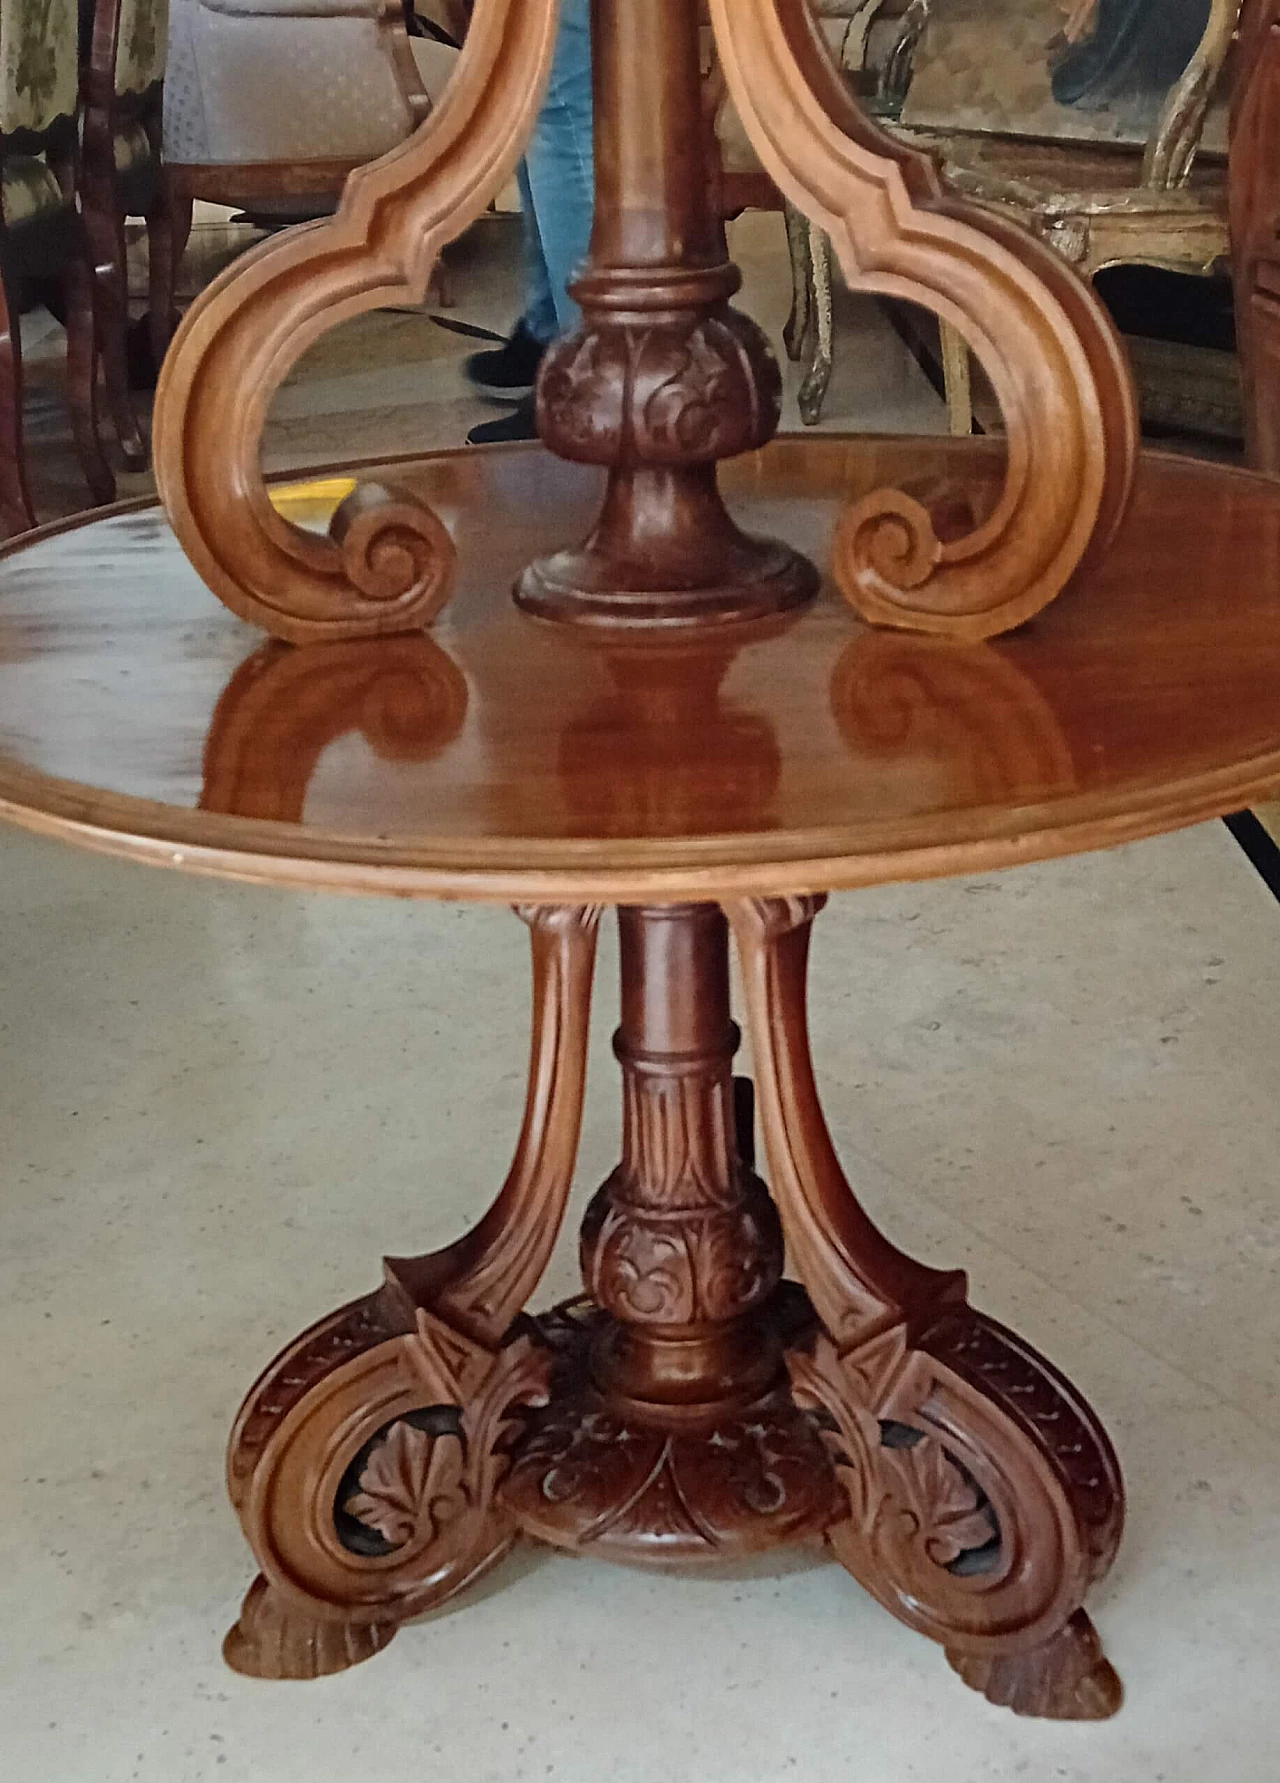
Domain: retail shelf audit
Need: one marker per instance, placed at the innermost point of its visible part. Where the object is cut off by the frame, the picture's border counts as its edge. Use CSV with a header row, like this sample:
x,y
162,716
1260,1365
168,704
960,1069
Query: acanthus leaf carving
x,y
675,393
913,1510
407,1480
944,1511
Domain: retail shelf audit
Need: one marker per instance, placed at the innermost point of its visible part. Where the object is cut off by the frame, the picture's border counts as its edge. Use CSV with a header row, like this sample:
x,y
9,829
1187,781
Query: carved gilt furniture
x,y
1099,203
680,716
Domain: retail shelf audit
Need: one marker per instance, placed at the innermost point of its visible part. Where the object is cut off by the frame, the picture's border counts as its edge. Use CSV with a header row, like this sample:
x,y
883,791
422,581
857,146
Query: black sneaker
x,y
520,424
509,371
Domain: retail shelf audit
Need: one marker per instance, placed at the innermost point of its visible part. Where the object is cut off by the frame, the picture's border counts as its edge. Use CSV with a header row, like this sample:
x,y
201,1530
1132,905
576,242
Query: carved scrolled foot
x,y
983,1500
982,1497
365,1463
1067,1679
368,1490
273,1640
388,562
1049,350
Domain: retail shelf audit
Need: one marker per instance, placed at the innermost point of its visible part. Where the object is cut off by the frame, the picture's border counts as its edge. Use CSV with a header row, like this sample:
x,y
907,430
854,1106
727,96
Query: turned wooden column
x,y
670,1435
663,379
682,1246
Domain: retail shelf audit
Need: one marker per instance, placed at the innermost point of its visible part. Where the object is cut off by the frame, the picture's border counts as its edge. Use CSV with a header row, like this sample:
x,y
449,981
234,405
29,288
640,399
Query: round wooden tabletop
x,y
501,757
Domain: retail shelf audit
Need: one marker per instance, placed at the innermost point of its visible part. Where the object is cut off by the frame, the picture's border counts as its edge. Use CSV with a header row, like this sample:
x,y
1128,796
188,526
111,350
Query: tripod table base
x,y
694,1407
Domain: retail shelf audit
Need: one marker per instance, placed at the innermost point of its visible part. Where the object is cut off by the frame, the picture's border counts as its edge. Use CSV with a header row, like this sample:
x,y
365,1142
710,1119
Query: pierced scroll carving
x,y
982,1495
967,1523
388,562
365,1463
1053,356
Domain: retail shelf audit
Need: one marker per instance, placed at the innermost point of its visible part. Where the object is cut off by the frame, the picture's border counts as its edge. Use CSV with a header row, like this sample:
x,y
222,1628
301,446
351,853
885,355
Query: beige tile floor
x,y
221,1104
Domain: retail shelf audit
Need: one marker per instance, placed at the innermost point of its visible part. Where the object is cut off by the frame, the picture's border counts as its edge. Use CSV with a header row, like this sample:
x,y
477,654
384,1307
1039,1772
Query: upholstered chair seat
x,y
31,191
283,81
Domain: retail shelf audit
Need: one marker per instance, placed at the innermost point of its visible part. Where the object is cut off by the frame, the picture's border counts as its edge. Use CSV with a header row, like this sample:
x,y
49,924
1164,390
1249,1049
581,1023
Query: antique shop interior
x,y
640,753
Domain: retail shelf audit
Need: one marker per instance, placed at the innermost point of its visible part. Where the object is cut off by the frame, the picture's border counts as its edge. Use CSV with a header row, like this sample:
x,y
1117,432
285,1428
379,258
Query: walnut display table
x,y
695,1405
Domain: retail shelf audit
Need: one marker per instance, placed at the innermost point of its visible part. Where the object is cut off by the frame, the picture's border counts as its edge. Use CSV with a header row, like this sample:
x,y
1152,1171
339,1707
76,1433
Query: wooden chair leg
x,y
957,380
104,228
444,285
82,378
168,232
796,331
817,379
16,510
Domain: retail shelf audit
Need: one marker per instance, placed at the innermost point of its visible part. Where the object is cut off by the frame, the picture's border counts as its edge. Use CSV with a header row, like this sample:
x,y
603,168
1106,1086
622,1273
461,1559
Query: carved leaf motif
x,y
926,1485
685,410
402,1484
900,1498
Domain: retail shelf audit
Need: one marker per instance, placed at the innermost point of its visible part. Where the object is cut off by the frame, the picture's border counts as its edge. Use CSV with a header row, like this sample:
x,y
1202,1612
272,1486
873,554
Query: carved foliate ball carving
x,y
676,1269
660,393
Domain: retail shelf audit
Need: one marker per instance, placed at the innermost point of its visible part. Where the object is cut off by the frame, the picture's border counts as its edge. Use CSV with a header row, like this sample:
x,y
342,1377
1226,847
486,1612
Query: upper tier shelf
x,y
502,757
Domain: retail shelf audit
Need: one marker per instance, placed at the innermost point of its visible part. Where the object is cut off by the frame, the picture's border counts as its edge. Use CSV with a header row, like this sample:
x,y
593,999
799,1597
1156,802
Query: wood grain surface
x,y
501,757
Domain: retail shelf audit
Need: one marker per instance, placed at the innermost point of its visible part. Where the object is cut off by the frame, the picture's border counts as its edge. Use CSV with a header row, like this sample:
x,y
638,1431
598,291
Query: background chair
x,y
270,104
1091,181
1103,186
122,176
42,245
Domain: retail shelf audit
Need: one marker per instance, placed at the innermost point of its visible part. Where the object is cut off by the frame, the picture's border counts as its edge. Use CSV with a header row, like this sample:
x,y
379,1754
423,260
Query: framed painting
x,y
1059,70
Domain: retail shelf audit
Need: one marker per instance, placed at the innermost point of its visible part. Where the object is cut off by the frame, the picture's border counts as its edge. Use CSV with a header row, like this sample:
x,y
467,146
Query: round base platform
x,y
593,1477
756,579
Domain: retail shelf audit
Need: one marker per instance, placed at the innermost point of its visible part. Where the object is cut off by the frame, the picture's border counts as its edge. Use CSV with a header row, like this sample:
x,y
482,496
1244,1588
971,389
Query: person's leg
x,y
508,373
559,175
539,319
557,194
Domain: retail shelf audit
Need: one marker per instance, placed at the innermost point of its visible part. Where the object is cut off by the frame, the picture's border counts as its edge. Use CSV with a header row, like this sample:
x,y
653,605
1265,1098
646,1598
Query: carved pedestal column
x,y
663,379
671,1434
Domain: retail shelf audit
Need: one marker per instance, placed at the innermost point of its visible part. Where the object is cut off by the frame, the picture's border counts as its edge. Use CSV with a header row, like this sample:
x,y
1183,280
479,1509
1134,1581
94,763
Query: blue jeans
x,y
557,180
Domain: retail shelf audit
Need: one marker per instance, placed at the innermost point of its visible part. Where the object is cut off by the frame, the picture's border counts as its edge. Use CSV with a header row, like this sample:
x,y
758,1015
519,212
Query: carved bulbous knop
x,y
660,393
702,1264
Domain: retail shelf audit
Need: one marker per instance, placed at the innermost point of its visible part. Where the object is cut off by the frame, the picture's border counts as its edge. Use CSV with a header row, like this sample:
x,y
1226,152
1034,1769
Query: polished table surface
x,y
502,757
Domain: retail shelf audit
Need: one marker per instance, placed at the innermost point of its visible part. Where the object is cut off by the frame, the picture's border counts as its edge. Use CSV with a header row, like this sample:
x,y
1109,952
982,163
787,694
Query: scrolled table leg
x,y
983,1495
388,563
1051,353
366,1461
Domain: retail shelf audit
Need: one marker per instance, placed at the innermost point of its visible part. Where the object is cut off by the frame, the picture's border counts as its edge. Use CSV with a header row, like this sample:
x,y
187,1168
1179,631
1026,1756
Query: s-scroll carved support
x,y
365,1463
1050,351
983,1497
388,562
